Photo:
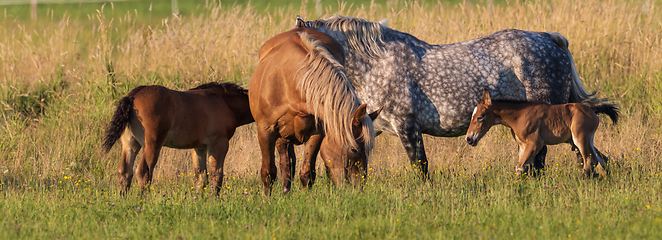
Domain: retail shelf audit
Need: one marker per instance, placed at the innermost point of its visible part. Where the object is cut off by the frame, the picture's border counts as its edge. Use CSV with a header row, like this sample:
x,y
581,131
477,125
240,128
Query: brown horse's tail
x,y
577,92
118,124
610,109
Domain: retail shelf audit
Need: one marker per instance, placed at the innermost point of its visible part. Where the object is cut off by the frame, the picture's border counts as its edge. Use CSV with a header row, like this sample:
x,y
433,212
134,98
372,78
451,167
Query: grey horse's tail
x,y
610,109
118,123
577,92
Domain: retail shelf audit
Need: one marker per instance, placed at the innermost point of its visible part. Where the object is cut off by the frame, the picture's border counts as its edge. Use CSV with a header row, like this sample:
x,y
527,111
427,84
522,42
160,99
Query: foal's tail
x,y
610,109
577,92
118,124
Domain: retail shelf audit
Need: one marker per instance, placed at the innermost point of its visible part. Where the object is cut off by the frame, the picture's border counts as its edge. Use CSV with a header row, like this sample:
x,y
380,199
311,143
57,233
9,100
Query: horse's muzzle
x,y
472,139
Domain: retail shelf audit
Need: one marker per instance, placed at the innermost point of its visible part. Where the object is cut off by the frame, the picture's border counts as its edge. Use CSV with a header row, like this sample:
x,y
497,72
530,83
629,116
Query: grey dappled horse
x,y
433,89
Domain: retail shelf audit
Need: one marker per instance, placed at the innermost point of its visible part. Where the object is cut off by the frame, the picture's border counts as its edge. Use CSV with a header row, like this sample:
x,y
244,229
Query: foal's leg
x,y
538,160
200,164
151,151
267,141
583,142
599,158
130,149
308,172
527,153
604,160
287,162
580,158
217,153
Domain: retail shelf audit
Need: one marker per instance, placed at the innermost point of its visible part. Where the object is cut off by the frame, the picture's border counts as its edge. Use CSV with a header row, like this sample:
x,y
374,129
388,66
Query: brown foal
x,y
203,119
537,124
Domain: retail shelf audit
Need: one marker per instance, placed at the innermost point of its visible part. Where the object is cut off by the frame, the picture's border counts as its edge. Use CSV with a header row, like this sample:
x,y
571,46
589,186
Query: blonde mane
x,y
364,37
327,90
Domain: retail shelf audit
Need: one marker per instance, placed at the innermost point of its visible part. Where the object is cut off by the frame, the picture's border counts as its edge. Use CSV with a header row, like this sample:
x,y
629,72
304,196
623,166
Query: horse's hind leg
x,y
308,172
580,158
585,144
200,164
287,162
149,158
217,153
601,159
130,149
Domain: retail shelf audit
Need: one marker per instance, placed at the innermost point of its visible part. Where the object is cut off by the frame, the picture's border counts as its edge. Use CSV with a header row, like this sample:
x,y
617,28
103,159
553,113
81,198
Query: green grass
x,y
487,205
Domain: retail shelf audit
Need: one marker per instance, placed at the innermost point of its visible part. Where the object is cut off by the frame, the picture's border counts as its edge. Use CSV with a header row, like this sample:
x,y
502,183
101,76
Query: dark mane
x,y
227,87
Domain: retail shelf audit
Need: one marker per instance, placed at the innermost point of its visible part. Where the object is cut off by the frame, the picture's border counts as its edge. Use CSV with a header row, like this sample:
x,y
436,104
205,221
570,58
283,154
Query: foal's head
x,y
482,120
347,161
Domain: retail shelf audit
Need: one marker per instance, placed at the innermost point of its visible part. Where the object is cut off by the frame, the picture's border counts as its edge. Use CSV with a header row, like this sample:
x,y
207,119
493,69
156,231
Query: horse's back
x,y
286,39
517,64
184,119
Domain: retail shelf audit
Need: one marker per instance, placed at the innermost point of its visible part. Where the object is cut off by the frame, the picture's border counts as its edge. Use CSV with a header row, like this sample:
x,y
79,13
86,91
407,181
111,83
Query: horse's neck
x,y
239,105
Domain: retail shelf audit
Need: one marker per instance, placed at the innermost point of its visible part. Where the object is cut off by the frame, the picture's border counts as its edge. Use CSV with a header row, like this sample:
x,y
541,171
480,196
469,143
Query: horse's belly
x,y
553,138
442,121
173,141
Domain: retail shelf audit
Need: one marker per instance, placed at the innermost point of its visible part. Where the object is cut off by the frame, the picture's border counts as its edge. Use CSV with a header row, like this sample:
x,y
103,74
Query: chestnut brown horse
x,y
203,119
299,94
534,125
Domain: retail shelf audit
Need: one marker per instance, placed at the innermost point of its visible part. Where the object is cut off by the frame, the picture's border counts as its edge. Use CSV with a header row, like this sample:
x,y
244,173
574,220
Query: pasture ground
x,y
60,80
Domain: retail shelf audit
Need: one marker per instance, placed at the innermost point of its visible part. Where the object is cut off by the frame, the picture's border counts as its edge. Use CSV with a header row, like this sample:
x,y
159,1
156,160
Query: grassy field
x,y
60,80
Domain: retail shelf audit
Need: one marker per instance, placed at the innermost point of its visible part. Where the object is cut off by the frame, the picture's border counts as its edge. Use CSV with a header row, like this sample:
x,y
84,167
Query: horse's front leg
x,y
528,151
200,167
412,139
267,141
538,159
308,172
287,162
217,153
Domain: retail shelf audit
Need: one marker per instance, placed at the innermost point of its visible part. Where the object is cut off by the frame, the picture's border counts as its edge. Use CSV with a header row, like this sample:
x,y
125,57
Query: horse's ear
x,y
487,99
384,22
359,114
300,22
375,114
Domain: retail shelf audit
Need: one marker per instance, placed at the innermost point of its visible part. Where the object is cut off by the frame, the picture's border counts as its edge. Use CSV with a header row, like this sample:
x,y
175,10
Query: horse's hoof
x,y
519,171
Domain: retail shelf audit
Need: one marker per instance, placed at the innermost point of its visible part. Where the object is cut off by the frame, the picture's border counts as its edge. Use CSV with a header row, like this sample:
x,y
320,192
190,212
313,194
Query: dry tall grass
x,y
74,70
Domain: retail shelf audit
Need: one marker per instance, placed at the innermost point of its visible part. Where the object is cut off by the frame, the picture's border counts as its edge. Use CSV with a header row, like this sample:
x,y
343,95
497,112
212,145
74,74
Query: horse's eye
x,y
353,150
480,119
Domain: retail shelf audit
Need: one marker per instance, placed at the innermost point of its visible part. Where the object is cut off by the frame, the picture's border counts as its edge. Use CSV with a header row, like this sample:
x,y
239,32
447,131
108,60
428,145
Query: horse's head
x,y
482,119
344,160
